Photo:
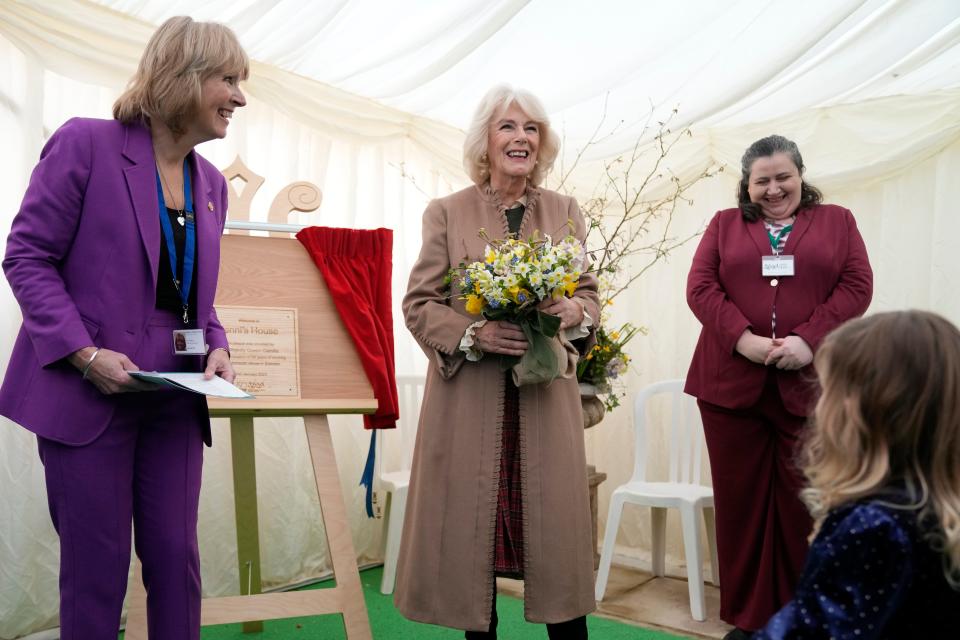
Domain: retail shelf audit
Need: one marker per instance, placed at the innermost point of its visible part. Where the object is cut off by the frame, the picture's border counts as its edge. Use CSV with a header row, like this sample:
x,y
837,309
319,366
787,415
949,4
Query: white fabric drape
x,y
870,90
727,63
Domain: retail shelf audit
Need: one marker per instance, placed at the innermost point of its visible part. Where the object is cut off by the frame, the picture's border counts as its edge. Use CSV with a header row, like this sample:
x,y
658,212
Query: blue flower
x,y
493,304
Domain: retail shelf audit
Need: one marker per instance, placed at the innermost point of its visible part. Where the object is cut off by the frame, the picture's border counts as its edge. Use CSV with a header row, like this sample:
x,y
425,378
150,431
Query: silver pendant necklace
x,y
181,220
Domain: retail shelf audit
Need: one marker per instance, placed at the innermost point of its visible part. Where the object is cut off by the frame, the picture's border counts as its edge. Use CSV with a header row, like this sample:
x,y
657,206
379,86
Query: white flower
x,y
554,278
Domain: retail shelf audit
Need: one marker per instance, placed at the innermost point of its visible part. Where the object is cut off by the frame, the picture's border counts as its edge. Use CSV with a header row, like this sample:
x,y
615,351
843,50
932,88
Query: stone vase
x,y
593,409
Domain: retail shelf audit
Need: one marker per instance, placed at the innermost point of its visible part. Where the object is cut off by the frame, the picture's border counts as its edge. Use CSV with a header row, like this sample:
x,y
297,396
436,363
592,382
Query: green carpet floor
x,y
388,624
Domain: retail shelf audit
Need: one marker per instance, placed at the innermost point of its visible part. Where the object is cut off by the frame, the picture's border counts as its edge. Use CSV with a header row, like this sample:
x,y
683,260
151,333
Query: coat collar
x,y
490,195
800,225
142,187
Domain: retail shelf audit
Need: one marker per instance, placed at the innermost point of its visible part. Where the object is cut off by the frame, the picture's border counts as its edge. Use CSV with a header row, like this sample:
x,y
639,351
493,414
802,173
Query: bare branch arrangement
x,y
621,218
629,230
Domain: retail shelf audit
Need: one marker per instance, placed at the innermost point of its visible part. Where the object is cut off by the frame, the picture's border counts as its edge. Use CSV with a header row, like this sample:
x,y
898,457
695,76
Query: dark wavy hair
x,y
762,148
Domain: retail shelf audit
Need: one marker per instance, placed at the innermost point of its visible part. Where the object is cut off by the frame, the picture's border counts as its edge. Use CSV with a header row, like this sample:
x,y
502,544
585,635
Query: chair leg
x,y
609,541
397,507
710,521
691,546
658,531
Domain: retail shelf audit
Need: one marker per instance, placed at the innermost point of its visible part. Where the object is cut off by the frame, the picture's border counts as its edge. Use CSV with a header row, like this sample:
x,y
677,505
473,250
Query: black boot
x,y
575,629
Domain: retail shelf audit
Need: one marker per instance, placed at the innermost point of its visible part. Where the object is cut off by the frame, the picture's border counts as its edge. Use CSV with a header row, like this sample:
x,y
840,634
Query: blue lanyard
x,y
189,248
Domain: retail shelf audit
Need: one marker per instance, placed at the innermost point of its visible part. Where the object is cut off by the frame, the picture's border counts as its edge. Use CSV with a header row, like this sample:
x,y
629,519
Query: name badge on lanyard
x,y
188,342
185,341
776,265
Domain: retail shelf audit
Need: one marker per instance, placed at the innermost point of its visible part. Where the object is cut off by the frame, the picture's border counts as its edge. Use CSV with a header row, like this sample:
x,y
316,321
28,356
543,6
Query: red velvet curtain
x,y
357,266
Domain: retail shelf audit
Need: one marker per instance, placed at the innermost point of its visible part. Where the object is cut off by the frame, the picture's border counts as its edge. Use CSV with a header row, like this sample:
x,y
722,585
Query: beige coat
x,y
445,570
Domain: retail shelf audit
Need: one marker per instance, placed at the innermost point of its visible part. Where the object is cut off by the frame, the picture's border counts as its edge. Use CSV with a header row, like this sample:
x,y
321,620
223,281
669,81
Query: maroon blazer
x,y
82,258
726,292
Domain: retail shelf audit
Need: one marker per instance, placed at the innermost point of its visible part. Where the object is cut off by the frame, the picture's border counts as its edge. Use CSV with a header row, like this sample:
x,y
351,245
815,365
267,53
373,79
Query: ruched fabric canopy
x,y
368,100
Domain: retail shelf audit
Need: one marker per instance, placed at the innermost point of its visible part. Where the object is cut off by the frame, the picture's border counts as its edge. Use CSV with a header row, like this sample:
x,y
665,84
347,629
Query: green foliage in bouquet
x,y
606,361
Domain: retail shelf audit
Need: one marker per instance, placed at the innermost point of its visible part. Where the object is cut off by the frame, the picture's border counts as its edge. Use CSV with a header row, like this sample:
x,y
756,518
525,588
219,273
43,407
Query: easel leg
x,y
245,503
342,555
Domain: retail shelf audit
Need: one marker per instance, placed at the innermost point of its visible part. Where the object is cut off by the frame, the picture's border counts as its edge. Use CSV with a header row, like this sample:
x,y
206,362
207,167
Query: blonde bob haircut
x,y
179,57
888,421
475,158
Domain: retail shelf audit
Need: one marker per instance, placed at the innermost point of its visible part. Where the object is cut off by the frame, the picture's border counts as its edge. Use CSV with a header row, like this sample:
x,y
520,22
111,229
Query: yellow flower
x,y
615,335
474,304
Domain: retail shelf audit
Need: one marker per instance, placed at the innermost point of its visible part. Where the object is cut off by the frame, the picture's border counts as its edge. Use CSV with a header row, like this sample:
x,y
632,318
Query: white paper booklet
x,y
215,386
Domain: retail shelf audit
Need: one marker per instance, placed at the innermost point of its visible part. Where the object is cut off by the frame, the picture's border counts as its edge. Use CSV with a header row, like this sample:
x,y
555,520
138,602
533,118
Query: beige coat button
x,y
774,282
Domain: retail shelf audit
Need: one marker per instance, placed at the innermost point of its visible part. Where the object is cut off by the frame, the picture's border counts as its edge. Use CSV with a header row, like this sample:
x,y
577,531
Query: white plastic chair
x,y
682,491
395,483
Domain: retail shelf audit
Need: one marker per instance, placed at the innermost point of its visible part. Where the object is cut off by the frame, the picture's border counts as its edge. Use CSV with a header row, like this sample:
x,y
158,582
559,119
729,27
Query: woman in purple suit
x,y
113,255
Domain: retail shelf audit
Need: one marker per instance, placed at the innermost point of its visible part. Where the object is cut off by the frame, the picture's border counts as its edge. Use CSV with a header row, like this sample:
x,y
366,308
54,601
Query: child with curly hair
x,y
882,460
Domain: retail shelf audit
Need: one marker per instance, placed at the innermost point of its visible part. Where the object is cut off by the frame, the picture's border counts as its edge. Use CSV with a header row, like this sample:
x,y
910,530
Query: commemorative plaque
x,y
263,349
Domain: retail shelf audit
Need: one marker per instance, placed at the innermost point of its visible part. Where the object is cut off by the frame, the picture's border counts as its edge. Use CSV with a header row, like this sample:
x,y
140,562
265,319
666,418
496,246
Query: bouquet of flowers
x,y
606,361
509,284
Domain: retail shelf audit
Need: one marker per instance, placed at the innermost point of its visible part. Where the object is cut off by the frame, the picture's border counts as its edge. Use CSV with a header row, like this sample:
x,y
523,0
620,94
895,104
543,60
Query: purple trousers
x,y
144,468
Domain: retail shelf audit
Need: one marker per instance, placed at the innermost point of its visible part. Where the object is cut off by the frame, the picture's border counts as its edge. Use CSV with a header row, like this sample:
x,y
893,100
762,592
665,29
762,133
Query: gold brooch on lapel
x,y
210,206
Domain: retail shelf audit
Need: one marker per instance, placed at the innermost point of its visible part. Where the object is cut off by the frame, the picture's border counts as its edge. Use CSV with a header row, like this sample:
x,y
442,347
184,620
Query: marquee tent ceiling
x,y
723,63
366,99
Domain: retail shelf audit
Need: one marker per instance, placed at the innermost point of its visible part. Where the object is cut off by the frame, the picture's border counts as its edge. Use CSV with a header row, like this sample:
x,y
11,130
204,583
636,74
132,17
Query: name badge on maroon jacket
x,y
777,266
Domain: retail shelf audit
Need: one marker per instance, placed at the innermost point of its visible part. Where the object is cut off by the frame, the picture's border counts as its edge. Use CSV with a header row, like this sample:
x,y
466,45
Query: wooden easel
x,y
277,272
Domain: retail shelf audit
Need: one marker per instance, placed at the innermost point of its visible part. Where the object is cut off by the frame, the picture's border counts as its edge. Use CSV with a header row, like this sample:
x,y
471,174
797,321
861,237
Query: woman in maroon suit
x,y
114,252
769,280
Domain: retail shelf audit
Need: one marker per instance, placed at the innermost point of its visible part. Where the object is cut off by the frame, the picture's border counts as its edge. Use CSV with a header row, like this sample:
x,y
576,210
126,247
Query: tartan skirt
x,y
508,560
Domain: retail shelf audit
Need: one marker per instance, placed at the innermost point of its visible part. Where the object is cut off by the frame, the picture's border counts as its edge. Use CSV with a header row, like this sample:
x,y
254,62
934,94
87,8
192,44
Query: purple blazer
x,y
82,259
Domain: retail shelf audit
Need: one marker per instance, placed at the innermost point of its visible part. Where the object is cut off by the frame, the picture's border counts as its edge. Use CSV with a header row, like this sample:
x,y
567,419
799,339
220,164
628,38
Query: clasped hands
x,y
791,352
108,371
500,336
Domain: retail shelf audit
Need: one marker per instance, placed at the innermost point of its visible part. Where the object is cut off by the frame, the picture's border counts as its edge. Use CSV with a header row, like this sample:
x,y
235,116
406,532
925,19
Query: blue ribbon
x,y
190,246
366,480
